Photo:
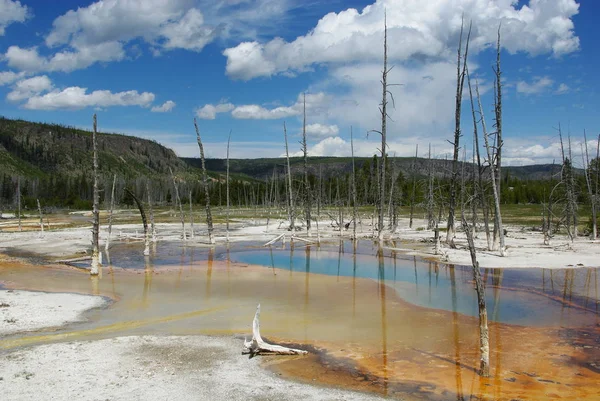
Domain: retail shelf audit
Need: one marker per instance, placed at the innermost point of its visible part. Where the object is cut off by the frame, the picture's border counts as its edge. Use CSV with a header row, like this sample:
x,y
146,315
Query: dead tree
x,y
307,195
383,132
144,221
178,203
95,211
227,186
588,182
354,206
479,189
414,187
110,214
151,210
291,213
191,216
209,221
498,214
19,203
460,80
431,222
258,346
568,180
484,337
498,230
41,218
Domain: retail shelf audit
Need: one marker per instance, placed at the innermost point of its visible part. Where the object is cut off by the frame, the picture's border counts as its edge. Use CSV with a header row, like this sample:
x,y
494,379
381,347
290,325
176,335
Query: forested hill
x,y
263,169
36,150
53,163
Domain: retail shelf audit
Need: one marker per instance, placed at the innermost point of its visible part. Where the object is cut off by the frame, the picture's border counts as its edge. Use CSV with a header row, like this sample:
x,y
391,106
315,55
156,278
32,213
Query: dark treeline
x,y
52,163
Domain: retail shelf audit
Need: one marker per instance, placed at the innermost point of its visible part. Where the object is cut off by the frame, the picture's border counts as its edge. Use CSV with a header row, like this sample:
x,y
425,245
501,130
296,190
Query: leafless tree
x,y
307,195
19,203
227,186
498,214
191,215
484,339
460,80
110,214
588,181
497,164
41,218
209,221
354,205
96,200
291,212
414,187
478,186
144,221
150,210
178,203
431,221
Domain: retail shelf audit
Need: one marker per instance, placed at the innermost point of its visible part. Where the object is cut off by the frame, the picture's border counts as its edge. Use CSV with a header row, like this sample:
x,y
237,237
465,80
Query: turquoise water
x,y
538,297
516,296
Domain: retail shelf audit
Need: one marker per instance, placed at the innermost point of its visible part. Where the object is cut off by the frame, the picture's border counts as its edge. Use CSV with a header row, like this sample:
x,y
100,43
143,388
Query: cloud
x,y
209,111
539,85
562,89
12,11
29,87
321,131
316,103
164,108
8,77
422,30
73,98
65,61
101,31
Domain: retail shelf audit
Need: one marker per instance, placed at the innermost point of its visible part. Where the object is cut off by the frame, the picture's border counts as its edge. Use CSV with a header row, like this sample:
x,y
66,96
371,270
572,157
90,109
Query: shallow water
x,y
398,326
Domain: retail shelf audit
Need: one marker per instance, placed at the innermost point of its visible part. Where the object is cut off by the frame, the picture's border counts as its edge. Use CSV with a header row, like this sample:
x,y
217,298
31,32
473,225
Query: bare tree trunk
x,y
383,109
498,215
484,338
227,184
19,203
41,219
414,187
209,221
307,195
289,174
150,209
431,222
586,169
110,214
95,212
354,206
480,192
144,221
178,202
191,216
498,230
460,79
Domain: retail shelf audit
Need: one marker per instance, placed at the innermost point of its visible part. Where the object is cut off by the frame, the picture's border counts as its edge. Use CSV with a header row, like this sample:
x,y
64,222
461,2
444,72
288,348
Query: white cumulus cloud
x,y
416,28
209,111
27,88
12,11
538,85
317,130
73,98
316,103
164,108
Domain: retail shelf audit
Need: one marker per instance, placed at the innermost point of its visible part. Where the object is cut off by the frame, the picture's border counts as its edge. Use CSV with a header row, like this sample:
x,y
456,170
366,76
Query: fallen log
x,y
274,240
258,346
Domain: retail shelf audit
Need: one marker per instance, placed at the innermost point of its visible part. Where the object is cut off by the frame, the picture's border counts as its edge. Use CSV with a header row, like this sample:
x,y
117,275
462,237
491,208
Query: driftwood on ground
x,y
258,346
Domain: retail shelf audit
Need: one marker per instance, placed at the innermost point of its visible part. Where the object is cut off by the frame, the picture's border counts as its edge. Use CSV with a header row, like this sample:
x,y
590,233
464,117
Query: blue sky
x,y
148,67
